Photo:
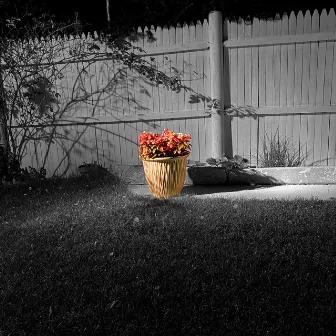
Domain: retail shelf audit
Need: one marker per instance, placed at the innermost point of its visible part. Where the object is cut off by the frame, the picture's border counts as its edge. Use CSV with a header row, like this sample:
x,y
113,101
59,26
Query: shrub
x,y
277,152
9,166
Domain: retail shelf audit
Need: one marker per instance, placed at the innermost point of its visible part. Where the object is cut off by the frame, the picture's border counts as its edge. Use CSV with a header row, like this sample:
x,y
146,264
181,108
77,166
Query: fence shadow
x,y
242,111
72,131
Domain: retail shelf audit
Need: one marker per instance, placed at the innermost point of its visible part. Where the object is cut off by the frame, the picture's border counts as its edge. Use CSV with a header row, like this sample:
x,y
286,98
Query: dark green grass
x,y
87,258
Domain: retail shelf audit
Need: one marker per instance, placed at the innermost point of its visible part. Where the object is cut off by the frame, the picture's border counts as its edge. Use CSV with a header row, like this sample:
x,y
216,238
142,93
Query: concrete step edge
x,y
282,175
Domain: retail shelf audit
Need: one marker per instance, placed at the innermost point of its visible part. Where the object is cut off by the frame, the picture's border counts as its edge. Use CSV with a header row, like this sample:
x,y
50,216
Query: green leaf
x,y
238,158
211,161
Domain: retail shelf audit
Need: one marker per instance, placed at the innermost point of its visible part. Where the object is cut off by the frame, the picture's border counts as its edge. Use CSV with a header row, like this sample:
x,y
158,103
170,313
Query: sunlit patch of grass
x,y
88,258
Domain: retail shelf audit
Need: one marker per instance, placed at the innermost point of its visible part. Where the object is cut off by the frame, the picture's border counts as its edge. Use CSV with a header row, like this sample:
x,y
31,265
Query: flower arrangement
x,y
165,144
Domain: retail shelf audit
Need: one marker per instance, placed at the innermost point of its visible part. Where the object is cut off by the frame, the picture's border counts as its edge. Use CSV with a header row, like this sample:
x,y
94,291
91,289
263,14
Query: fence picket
x,y
233,52
105,145
193,64
310,139
241,65
185,126
291,62
317,139
295,141
65,147
270,94
329,60
144,87
296,131
180,67
248,67
83,143
276,52
206,65
254,93
321,58
154,60
298,62
160,61
333,84
255,33
282,120
166,63
61,146
131,133
274,128
290,79
63,141
187,64
173,60
207,121
262,140
283,62
100,144
303,145
312,87
226,65
241,94
246,120
200,89
193,123
332,141
324,131
149,86
306,60
262,66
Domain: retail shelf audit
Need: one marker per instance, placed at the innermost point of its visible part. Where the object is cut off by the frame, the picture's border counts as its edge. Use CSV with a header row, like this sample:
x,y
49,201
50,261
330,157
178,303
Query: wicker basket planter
x,y
165,176
207,175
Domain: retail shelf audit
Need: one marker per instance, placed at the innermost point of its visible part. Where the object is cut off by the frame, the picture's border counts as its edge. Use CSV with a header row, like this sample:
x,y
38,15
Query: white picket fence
x,y
278,74
286,69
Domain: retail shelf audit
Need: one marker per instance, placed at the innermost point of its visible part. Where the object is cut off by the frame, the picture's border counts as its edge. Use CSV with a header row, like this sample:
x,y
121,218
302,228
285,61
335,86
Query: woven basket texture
x,y
165,176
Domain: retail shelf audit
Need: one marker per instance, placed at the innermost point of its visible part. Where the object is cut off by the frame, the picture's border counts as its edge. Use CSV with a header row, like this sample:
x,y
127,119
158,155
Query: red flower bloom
x,y
167,144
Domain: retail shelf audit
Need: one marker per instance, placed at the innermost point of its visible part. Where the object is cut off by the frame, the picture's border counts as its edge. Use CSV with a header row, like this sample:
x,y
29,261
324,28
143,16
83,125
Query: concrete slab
x,y
302,175
320,192
264,176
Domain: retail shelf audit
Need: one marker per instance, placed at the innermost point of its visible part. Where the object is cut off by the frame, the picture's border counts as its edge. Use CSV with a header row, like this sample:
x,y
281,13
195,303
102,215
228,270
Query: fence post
x,y
216,80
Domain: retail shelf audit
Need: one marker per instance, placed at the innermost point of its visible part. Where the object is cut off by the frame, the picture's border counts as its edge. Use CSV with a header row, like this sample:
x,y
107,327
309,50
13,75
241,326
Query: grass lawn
x,y
80,257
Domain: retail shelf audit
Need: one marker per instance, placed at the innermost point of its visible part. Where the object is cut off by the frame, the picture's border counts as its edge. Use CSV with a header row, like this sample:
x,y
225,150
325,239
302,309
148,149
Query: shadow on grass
x,y
24,200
